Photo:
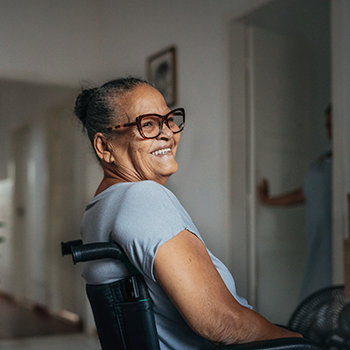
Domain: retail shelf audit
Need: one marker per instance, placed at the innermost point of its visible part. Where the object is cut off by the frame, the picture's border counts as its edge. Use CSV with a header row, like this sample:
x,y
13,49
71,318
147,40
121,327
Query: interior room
x,y
48,172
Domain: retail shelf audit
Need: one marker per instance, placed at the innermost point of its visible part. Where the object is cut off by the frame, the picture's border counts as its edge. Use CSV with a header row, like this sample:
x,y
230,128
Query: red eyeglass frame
x,y
163,118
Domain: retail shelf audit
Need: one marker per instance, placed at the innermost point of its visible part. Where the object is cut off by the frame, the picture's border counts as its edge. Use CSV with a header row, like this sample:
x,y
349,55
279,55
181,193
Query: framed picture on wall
x,y
161,70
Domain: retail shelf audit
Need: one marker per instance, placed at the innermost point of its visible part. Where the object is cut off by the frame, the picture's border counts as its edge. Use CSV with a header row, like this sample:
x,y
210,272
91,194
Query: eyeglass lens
x,y
152,125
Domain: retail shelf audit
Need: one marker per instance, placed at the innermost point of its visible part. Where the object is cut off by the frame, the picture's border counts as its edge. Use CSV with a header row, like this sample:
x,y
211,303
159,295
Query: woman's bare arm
x,y
186,273
282,200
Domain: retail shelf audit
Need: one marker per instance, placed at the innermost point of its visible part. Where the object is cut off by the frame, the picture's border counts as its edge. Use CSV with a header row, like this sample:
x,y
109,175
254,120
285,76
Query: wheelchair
x,y
123,310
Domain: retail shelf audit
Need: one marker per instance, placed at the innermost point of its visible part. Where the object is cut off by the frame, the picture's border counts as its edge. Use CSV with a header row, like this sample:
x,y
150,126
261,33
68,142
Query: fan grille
x,y
324,317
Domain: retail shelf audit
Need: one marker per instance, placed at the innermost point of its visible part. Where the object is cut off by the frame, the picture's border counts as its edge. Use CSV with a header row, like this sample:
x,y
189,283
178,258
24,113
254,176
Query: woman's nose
x,y
166,132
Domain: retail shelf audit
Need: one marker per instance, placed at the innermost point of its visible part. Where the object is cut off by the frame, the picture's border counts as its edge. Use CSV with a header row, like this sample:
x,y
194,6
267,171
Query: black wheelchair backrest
x,y
123,310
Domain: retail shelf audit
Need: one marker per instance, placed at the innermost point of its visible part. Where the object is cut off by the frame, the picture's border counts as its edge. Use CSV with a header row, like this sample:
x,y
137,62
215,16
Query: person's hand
x,y
293,197
263,190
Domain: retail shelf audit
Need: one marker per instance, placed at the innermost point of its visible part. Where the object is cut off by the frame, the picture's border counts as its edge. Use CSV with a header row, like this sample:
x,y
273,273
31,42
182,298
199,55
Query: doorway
x,y
281,86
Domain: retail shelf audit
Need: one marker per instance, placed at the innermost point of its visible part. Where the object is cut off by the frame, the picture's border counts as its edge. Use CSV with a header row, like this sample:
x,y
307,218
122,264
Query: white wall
x,y
53,41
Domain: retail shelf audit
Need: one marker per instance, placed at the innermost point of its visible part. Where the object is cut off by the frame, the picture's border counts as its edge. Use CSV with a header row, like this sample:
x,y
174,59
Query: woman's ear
x,y
102,148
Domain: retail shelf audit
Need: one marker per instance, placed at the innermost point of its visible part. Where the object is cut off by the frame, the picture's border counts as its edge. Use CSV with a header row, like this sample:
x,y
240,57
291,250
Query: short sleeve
x,y
148,217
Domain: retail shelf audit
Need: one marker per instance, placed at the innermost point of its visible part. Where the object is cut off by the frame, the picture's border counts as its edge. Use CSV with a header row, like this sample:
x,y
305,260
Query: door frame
x,y
242,244
340,56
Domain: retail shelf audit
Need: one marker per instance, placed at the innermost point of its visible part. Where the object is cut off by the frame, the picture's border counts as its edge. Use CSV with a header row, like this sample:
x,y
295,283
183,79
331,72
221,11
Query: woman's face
x,y
136,158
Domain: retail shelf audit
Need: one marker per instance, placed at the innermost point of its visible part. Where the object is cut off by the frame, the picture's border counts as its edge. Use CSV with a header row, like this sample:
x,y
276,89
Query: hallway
x,y
34,329
19,321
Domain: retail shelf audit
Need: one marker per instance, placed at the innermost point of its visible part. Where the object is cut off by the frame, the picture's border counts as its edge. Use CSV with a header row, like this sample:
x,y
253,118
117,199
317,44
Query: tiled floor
x,y
57,342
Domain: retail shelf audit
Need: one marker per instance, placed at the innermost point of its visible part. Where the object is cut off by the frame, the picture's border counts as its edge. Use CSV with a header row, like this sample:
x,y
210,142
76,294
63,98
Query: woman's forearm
x,y
232,323
250,327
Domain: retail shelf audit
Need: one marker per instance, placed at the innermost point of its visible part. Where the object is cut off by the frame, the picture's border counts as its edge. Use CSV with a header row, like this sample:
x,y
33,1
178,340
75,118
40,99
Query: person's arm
x,y
185,271
286,199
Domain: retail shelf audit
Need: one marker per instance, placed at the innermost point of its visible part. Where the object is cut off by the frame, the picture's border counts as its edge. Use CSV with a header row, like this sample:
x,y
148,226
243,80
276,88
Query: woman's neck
x,y
109,179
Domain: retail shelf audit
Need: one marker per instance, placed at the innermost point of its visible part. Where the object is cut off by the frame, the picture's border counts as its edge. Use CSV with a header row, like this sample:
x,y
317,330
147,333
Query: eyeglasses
x,y
150,126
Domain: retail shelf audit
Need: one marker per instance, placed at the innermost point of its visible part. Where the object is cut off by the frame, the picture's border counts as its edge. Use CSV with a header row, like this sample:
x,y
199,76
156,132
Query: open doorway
x,y
281,86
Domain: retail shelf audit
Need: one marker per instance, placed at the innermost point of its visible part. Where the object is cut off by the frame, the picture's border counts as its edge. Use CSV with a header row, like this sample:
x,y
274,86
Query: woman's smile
x,y
161,151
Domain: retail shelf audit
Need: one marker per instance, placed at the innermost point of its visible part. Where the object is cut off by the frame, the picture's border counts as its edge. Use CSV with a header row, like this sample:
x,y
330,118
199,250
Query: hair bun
x,y
82,104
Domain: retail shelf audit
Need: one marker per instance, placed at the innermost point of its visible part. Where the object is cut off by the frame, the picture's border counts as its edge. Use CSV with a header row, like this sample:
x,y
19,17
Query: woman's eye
x,y
148,123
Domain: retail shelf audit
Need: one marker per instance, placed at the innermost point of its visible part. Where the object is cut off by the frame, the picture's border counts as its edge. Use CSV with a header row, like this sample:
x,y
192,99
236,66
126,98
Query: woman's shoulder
x,y
146,187
146,184
148,193
130,188
135,195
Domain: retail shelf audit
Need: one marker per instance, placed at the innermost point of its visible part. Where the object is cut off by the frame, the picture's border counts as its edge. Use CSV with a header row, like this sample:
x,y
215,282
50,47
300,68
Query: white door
x,y
279,104
21,230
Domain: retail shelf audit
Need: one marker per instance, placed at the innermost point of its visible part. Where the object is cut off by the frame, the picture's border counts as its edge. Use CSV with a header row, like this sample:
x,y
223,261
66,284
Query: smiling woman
x,y
130,156
145,152
135,137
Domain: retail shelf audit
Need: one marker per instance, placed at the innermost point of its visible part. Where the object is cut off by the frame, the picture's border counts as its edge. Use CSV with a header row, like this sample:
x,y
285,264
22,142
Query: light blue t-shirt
x,y
318,195
140,217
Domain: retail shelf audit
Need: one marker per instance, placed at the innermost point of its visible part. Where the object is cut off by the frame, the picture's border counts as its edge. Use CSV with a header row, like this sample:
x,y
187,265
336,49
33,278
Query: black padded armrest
x,y
274,344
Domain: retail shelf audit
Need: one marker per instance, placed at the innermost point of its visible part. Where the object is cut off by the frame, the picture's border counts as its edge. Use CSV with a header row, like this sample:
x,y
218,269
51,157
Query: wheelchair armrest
x,y
274,344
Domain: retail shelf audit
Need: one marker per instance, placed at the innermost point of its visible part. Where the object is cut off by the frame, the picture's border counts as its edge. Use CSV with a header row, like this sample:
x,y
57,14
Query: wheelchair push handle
x,y
96,251
92,251
66,246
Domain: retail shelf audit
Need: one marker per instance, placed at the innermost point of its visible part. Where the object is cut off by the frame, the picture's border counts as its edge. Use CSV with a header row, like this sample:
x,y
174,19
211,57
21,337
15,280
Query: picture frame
x,y
161,71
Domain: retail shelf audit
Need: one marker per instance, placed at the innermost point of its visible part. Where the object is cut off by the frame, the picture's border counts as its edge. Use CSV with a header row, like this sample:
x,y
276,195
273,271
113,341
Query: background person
x,y
135,137
316,193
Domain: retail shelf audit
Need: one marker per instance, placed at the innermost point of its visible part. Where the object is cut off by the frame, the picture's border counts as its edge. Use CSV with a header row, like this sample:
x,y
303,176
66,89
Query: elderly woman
x,y
135,137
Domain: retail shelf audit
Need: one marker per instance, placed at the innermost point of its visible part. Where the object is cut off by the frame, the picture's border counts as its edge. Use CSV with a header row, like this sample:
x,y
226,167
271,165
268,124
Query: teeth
x,y
161,151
